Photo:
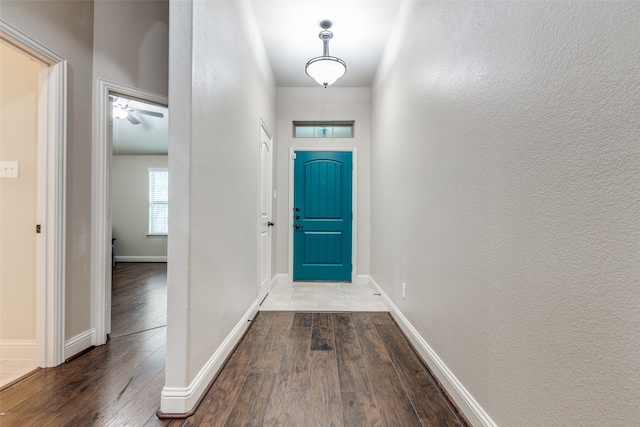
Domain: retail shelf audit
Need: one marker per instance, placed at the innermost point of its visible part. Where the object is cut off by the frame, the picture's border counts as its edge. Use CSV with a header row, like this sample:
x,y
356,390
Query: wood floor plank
x,y
18,420
351,369
287,405
302,320
440,423
360,409
271,348
394,404
250,407
324,401
322,338
296,351
420,388
138,400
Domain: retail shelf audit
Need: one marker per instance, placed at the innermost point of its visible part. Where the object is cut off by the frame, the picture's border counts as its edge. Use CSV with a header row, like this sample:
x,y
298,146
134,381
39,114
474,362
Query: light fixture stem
x,y
325,48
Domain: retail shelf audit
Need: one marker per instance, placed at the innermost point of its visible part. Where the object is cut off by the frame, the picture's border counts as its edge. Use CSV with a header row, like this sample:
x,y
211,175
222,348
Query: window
x,y
340,129
158,201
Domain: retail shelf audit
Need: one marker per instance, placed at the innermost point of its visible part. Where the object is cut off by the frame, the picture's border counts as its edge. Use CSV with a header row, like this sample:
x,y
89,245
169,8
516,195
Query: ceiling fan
x,y
122,110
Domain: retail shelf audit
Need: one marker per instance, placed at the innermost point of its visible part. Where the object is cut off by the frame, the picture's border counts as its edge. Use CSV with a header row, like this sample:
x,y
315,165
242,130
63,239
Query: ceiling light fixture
x,y
325,69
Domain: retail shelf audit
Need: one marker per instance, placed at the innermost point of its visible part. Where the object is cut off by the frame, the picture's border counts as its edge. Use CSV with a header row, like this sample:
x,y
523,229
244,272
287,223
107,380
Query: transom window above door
x,y
323,129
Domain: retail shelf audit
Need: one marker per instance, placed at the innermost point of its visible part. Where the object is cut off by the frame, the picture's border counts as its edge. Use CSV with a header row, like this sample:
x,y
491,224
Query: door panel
x,y
322,216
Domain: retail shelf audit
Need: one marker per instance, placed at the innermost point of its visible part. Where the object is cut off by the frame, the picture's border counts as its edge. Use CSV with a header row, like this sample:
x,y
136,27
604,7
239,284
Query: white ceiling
x,y
290,30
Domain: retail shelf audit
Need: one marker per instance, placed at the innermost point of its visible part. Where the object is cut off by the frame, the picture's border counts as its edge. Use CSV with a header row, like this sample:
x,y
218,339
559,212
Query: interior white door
x,y
265,220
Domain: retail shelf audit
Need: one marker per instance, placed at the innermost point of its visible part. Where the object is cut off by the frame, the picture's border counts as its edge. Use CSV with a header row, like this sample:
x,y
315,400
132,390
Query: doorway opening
x,y
46,170
132,140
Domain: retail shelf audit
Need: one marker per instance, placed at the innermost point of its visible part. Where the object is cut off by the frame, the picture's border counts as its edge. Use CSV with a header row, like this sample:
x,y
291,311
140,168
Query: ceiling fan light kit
x,y
122,110
325,69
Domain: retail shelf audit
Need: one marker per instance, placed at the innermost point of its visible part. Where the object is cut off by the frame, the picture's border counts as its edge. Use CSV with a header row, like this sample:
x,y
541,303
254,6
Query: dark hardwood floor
x,y
324,369
290,369
138,297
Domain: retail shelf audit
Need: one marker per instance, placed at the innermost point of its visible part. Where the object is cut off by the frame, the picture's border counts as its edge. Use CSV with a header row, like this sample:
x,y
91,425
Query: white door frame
x,y
262,293
101,204
354,204
51,198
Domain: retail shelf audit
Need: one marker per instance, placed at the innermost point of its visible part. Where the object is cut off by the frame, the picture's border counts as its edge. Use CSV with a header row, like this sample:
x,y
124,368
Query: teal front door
x,y
322,216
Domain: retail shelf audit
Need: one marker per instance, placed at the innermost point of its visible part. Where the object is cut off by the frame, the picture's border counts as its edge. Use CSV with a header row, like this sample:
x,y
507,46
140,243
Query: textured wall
x,y
131,43
66,27
318,103
218,93
506,194
130,209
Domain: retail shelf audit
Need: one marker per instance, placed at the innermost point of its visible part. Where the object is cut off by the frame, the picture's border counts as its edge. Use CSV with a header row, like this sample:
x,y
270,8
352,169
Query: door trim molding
x,y
100,203
263,127
51,210
354,204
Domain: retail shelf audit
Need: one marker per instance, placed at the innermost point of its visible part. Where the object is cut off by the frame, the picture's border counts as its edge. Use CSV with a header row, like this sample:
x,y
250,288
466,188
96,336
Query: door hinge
x,y
351,266
38,228
293,156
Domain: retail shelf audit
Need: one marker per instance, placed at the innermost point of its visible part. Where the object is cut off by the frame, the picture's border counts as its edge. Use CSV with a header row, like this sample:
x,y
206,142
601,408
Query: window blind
x,y
158,200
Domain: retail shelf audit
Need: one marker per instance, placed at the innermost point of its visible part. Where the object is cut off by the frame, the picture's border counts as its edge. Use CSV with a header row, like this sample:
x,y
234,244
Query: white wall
x,y
130,209
19,89
506,195
318,103
66,27
218,93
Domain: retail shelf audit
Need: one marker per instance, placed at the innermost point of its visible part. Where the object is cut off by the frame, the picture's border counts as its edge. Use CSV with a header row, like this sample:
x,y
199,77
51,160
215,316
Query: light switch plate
x,y
9,169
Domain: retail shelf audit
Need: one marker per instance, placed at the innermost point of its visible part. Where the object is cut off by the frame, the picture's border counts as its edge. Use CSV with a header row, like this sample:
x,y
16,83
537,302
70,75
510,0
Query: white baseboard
x,y
78,343
18,349
181,400
281,279
133,258
461,396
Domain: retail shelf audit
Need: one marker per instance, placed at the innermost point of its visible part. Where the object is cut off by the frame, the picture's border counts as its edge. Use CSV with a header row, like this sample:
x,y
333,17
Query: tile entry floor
x,y
12,369
322,296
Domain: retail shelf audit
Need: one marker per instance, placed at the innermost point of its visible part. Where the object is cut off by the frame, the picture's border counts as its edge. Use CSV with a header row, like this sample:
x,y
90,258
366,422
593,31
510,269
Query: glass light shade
x,y
119,112
326,69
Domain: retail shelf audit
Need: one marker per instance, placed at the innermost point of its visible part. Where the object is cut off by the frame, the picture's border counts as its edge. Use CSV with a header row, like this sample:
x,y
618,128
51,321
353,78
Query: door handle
x,y
271,224
297,225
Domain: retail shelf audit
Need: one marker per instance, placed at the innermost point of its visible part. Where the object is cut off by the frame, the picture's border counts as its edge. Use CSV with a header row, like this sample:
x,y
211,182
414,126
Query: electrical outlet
x,y
404,290
9,169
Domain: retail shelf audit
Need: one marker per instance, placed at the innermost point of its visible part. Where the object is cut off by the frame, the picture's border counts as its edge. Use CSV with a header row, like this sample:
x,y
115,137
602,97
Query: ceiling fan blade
x,y
149,113
133,120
